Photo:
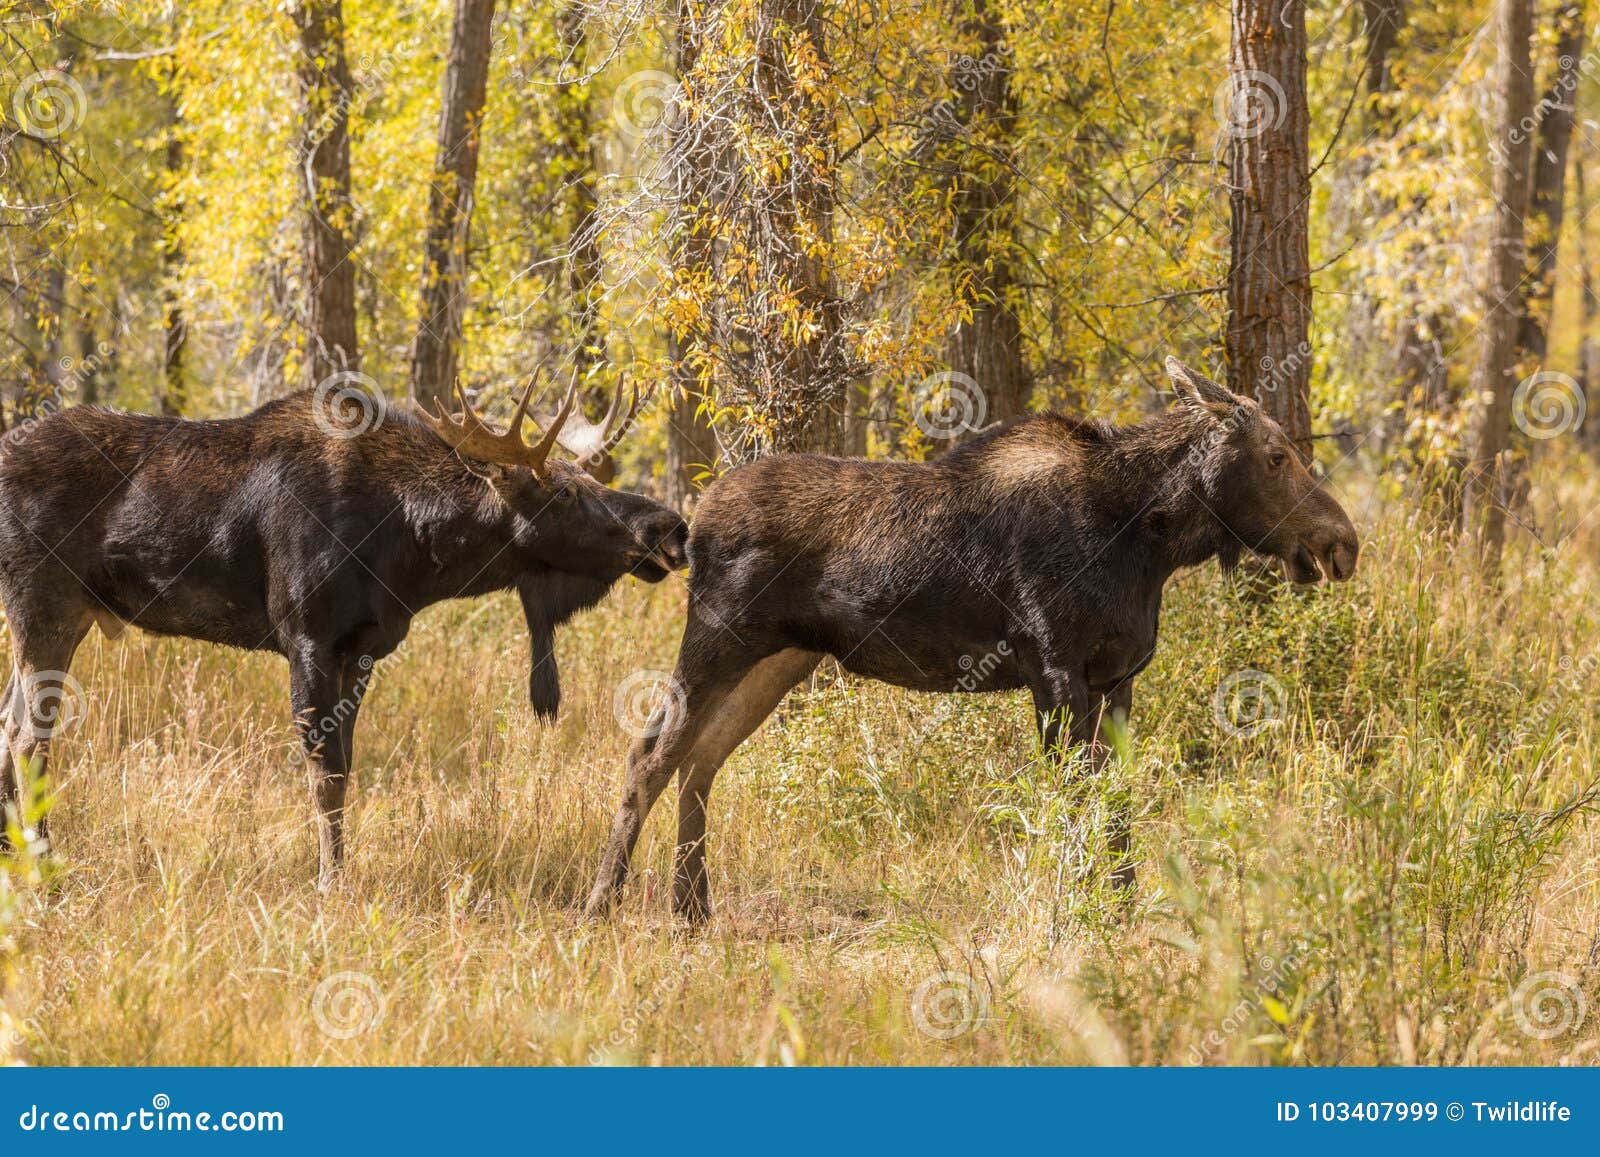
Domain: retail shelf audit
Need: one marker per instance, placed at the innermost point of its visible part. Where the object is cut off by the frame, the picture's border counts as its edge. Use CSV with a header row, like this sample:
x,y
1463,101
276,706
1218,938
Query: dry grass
x,y
1373,880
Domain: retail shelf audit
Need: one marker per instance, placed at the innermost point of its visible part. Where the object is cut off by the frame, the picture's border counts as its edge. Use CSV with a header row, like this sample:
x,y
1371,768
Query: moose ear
x,y
1199,392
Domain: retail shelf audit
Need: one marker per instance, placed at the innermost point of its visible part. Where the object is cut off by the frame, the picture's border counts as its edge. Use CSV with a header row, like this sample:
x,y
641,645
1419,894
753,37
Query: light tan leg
x,y
10,790
651,762
744,710
39,694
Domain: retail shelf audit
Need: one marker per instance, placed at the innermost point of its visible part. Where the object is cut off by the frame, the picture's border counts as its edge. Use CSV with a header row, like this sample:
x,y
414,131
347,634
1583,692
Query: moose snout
x,y
674,545
1335,551
1342,557
665,539
1328,546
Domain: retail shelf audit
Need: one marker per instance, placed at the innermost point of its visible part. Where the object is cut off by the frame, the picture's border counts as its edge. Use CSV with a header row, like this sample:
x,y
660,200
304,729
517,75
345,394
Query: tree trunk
x,y
114,344
91,361
692,451
175,331
804,367
1545,201
264,369
986,346
52,394
1589,306
1494,371
324,169
1269,274
444,270
1417,356
1384,19
584,259
691,444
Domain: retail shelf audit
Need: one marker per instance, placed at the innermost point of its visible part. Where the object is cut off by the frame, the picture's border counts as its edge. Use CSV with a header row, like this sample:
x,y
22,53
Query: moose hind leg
x,y
39,698
704,677
744,710
10,795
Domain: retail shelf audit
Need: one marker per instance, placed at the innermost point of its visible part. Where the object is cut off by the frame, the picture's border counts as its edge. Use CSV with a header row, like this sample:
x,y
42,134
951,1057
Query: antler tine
x,y
614,435
542,451
435,412
452,429
608,422
468,434
514,430
589,442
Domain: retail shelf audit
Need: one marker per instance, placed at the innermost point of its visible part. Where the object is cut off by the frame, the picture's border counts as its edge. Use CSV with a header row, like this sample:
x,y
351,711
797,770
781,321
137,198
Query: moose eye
x,y
566,492
1276,459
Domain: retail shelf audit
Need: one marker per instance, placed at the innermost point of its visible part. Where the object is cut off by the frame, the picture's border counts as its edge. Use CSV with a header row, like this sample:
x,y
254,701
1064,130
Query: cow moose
x,y
315,527
1042,546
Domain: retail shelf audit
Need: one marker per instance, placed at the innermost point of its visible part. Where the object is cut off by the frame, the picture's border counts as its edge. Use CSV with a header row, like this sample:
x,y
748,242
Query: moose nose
x,y
1340,556
672,541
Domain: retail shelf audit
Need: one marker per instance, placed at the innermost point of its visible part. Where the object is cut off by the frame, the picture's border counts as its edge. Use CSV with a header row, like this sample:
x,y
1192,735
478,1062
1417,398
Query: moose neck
x,y
1160,466
467,539
465,534
468,544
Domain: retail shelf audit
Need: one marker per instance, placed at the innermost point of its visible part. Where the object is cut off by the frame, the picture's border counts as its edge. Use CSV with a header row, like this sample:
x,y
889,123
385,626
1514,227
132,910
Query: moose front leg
x,y
1061,705
1067,707
1115,707
325,703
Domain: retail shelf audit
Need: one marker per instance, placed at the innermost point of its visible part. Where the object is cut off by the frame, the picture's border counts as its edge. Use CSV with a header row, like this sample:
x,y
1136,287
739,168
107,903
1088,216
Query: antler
x,y
470,436
591,443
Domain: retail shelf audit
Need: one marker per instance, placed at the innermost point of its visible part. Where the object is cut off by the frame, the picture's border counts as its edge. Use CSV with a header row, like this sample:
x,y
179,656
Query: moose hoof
x,y
694,917
599,907
693,908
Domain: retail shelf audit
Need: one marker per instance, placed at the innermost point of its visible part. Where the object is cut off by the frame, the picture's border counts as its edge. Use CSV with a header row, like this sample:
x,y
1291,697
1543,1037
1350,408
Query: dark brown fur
x,y
1034,556
268,532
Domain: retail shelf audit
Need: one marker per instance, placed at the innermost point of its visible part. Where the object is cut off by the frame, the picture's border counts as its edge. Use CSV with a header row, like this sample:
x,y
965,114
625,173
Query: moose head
x,y
1259,489
562,516
570,536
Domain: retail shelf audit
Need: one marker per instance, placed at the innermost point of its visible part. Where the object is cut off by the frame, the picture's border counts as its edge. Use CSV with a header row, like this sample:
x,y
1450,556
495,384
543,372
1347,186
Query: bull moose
x,y
1042,545
310,529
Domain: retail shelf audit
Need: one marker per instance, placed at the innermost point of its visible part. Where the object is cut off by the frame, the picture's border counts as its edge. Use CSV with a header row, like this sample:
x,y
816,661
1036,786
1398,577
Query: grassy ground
x,y
1399,865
